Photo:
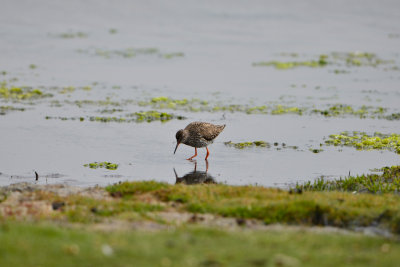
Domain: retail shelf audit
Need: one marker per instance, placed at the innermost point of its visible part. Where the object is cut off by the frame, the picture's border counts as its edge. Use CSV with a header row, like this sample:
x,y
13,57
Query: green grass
x,y
387,182
269,205
40,228
48,245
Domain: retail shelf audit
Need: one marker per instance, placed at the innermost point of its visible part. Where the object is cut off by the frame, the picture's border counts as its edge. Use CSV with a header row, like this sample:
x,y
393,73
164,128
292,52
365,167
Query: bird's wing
x,y
206,130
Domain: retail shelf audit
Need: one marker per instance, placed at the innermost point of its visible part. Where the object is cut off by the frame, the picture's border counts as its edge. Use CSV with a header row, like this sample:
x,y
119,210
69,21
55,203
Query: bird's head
x,y
179,138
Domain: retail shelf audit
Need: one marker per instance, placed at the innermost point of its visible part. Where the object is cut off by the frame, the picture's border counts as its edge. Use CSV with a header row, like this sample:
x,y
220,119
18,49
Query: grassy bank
x,y
158,224
49,245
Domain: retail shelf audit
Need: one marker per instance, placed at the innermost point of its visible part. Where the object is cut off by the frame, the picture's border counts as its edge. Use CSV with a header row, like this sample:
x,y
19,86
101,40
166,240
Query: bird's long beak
x,y
177,144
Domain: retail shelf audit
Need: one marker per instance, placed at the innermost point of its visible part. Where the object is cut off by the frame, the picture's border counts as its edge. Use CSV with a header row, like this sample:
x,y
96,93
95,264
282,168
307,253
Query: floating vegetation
x,y
172,55
393,116
65,118
387,182
243,145
352,59
363,141
107,165
337,110
340,71
293,64
71,89
20,93
164,102
316,150
148,116
106,102
72,35
107,119
67,89
153,115
341,110
110,111
32,66
5,109
130,52
113,31
248,144
279,109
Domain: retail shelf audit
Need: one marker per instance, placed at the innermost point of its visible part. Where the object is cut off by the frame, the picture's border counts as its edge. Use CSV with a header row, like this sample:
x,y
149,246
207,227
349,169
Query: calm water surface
x,y
220,41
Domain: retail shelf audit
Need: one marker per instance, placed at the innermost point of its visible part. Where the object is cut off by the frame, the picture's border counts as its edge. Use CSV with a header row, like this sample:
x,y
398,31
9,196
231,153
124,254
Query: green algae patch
x,y
145,116
279,110
106,119
341,59
316,150
387,182
335,110
163,102
362,112
20,93
321,62
247,144
130,52
104,164
67,90
72,35
275,145
5,109
363,141
153,115
172,55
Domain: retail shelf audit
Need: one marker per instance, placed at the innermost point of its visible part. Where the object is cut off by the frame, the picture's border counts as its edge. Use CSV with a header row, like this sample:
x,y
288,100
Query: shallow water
x,y
220,41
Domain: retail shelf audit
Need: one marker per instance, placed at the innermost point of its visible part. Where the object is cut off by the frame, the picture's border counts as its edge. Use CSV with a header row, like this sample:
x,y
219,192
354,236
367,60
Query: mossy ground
x,y
27,244
55,225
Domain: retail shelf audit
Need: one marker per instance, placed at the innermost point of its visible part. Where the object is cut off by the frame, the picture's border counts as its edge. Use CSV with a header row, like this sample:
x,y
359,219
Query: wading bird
x,y
198,134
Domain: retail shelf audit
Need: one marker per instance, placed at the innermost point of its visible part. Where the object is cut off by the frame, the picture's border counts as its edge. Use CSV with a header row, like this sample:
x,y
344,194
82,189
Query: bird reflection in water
x,y
195,177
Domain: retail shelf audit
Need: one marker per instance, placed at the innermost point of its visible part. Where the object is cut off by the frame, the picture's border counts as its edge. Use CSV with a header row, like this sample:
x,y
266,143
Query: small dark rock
x,y
179,200
57,205
196,218
116,194
241,221
94,210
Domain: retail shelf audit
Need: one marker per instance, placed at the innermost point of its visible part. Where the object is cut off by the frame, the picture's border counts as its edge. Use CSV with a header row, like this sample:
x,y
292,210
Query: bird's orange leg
x,y
208,153
195,154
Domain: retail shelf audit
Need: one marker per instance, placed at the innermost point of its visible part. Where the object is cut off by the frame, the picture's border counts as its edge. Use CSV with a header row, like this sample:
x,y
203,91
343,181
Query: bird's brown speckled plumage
x,y
198,134
202,133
